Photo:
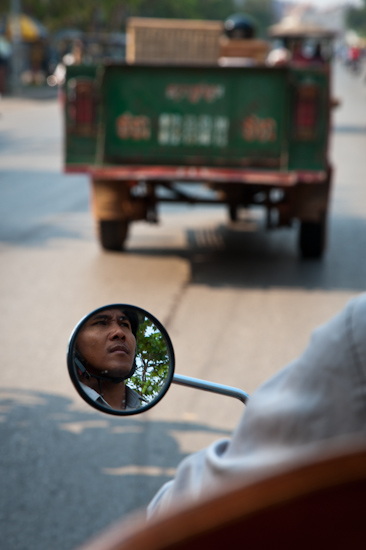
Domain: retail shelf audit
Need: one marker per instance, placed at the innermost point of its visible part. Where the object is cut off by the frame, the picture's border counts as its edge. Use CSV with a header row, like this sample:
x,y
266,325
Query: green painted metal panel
x,y
199,116
191,115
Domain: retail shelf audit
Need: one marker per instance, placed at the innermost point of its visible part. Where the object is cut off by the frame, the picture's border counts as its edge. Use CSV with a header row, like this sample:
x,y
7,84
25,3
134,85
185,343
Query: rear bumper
x,y
201,174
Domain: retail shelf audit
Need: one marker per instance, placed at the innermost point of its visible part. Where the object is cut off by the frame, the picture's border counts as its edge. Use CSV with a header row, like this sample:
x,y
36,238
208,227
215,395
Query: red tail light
x,y
81,106
306,111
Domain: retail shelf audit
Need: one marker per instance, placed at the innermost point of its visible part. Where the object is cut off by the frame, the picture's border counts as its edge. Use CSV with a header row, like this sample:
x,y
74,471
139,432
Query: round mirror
x,y
120,359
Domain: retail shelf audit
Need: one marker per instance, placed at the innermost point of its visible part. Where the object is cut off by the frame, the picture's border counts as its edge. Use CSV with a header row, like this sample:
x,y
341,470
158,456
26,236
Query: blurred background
x,y
238,304
36,34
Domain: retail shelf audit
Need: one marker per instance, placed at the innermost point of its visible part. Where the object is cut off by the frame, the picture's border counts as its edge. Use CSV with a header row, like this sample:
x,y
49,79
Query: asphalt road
x,y
238,303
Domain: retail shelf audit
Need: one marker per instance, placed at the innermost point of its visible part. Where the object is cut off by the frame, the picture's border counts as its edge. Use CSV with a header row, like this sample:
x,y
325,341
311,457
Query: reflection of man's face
x,y
107,343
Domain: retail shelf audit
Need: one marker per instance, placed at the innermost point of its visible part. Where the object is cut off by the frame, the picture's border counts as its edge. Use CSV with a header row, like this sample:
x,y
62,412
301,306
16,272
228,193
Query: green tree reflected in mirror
x,y
152,361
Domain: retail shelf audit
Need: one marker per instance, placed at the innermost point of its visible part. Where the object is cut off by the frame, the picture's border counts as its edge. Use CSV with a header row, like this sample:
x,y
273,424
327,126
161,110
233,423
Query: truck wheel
x,y
112,234
233,212
312,239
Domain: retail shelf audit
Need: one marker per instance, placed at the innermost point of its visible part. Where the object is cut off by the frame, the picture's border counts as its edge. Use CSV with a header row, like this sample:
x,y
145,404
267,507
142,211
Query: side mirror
x,y
120,359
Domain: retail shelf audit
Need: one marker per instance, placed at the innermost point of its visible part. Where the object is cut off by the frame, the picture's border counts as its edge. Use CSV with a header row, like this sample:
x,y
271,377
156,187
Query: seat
x,y
317,505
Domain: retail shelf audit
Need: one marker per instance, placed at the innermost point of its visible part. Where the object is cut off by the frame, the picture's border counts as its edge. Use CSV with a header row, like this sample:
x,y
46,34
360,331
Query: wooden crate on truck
x,y
172,40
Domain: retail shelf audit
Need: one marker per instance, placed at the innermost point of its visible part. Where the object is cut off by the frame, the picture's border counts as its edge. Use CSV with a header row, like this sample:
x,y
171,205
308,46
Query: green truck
x,y
254,135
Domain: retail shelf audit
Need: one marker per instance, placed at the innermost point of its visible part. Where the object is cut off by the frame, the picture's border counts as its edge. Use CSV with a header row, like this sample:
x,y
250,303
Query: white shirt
x,y
315,403
132,397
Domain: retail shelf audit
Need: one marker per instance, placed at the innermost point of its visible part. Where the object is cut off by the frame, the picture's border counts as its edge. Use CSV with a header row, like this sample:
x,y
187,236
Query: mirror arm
x,y
210,386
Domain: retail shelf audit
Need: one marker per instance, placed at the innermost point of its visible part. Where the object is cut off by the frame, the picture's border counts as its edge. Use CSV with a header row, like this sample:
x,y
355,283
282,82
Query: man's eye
x,y
100,322
124,323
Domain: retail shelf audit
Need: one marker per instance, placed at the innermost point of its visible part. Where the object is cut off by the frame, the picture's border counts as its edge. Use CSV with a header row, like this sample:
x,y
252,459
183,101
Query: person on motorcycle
x,y
105,358
317,403
354,57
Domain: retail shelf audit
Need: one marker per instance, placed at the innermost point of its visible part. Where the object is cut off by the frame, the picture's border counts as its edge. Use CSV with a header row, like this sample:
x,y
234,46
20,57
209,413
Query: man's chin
x,y
119,373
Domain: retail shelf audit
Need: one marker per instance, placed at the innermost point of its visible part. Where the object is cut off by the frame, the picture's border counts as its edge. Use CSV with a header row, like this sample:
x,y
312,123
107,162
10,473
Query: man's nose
x,y
117,332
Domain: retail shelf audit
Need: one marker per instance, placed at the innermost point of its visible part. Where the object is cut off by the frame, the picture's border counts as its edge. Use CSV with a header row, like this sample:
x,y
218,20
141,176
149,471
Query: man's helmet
x,y
239,26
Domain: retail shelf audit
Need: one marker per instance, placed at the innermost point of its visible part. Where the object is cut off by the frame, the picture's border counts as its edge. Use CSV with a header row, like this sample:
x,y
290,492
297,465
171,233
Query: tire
x,y
112,234
233,212
312,239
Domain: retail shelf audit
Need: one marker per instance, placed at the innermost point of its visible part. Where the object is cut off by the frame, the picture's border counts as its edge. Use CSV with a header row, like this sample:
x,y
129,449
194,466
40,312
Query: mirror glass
x,y
120,359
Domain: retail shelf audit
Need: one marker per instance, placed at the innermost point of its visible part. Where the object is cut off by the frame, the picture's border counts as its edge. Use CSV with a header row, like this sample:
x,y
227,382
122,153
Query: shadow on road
x,y
350,129
242,255
40,206
224,256
57,458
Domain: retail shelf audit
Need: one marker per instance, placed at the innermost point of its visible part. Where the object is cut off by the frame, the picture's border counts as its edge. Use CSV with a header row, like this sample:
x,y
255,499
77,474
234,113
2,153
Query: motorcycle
x,y
121,361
